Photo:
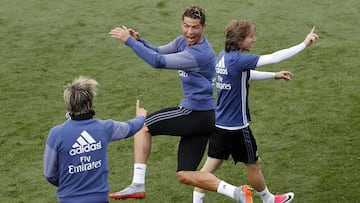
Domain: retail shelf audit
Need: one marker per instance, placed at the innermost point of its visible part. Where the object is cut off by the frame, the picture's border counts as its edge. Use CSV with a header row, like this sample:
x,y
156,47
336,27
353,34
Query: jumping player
x,y
194,119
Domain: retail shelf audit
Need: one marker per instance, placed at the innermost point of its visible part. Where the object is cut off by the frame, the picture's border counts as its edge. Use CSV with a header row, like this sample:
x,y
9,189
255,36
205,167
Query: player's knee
x,y
258,163
254,166
181,177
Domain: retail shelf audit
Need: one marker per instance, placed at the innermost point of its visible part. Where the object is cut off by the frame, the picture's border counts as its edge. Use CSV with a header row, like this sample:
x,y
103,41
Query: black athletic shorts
x,y
240,144
194,128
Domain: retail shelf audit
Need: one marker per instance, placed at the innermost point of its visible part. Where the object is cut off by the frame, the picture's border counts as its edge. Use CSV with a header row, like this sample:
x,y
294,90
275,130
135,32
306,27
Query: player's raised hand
x,y
132,32
311,38
139,110
120,33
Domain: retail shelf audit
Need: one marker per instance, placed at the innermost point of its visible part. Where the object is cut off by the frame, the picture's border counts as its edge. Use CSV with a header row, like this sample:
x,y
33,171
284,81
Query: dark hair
x,y
195,12
236,32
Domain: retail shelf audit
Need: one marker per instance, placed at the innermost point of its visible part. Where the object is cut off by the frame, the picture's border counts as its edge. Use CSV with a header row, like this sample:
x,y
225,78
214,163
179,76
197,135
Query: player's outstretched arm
x,y
263,75
284,54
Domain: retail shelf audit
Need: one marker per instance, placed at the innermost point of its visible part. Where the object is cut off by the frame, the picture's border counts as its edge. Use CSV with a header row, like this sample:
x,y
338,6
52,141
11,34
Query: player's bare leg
x,y
142,149
257,181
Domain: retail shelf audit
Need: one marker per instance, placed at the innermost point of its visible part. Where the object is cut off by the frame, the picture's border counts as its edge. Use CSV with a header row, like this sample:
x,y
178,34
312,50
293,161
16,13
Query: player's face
x,y
248,42
192,30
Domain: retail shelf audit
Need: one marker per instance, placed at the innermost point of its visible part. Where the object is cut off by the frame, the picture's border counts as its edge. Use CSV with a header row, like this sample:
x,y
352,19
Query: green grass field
x,y
307,130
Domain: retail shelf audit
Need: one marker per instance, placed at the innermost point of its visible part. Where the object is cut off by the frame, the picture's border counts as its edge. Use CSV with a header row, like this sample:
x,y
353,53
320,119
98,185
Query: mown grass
x,y
307,130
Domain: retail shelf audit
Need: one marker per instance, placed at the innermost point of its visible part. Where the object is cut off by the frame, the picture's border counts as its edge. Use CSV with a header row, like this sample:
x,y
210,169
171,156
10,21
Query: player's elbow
x,y
53,181
158,64
158,61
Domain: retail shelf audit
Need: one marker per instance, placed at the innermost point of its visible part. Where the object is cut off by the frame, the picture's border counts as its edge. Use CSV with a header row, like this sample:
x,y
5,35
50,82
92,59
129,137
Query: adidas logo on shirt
x,y
84,143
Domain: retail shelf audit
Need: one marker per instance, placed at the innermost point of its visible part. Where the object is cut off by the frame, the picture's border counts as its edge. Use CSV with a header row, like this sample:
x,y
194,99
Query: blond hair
x,y
79,95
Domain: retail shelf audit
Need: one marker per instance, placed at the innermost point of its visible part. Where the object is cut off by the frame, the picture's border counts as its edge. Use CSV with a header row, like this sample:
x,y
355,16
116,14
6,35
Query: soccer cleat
x,y
243,194
284,198
133,191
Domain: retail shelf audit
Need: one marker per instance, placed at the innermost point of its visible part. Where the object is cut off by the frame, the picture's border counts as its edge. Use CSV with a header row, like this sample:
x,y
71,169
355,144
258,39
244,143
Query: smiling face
x,y
192,30
240,35
249,40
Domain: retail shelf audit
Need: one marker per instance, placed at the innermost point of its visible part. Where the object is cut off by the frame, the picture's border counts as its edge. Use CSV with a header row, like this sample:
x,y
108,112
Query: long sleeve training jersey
x,y
195,65
75,157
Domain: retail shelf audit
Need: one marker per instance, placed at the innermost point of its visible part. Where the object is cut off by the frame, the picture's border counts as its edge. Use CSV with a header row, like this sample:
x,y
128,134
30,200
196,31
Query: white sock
x,y
139,173
266,196
198,197
226,189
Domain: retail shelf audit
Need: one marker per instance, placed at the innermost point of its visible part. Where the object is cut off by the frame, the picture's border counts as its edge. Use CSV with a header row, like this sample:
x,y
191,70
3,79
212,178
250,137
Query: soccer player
x,y
232,135
75,157
194,119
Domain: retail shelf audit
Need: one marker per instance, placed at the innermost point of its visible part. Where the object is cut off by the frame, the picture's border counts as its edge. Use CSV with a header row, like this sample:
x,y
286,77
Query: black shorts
x,y
194,128
240,144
